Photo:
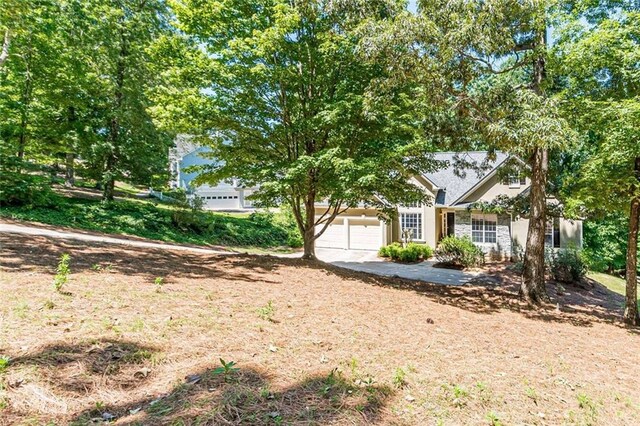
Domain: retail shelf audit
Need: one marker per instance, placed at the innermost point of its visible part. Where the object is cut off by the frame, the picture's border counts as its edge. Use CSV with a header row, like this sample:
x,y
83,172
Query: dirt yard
x,y
137,335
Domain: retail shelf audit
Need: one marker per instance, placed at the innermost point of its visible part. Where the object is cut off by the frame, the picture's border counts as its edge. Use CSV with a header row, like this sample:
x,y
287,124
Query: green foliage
x,y
144,219
227,370
18,188
400,378
459,251
493,419
313,119
158,282
266,312
21,183
4,363
89,78
62,272
605,243
413,252
566,265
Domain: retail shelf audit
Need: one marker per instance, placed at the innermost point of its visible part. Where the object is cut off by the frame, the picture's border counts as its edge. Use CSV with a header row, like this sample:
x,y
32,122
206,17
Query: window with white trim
x,y
412,222
552,233
484,228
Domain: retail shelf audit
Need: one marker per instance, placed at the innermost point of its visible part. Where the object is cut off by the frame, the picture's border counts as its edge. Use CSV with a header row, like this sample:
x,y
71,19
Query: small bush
x,y
4,363
566,265
411,253
386,251
62,272
266,312
264,218
18,188
461,252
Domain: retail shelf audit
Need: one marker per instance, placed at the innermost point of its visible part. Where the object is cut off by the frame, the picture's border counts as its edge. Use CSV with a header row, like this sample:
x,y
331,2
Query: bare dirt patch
x,y
314,344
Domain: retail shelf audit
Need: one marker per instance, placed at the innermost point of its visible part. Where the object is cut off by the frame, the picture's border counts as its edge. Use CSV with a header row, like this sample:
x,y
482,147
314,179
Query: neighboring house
x,y
229,195
454,190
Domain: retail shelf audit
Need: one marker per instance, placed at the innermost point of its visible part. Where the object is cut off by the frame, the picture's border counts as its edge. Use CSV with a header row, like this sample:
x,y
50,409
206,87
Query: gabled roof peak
x,y
464,171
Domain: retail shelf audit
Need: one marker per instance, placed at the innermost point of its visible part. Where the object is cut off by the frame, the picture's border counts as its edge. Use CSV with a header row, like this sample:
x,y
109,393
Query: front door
x,y
450,224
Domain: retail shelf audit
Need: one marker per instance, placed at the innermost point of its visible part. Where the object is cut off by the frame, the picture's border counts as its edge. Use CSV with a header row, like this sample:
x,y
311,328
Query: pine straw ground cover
x,y
311,344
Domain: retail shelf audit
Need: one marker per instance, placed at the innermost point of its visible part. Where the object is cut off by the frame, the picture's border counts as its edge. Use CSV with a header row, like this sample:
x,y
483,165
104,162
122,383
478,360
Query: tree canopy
x,y
298,109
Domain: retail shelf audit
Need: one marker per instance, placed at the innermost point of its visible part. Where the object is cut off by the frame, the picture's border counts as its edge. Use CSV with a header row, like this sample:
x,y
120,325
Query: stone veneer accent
x,y
502,248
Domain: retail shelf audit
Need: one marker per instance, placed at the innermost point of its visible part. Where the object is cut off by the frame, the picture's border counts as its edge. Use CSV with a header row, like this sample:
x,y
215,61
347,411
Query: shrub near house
x,y
459,252
410,253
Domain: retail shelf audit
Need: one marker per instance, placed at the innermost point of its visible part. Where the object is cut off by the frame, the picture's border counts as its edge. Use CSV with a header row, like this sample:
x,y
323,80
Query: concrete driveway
x,y
368,261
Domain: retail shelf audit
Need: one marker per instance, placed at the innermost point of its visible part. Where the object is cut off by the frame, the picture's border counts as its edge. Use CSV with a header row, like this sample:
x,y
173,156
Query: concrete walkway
x,y
9,228
368,261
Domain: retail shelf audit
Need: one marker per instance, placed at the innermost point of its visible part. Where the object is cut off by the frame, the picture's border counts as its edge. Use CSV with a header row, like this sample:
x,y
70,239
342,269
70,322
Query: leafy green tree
x,y
82,79
603,86
299,110
605,241
488,62
122,77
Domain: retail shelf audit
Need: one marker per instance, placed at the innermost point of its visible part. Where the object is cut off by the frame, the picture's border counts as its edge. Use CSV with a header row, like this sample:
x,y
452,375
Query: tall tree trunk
x,y
109,178
533,289
114,124
24,116
309,234
4,54
69,172
631,300
26,102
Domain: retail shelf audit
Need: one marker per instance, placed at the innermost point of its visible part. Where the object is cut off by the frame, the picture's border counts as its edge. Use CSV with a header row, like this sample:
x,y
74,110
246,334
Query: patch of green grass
x,y
146,219
613,283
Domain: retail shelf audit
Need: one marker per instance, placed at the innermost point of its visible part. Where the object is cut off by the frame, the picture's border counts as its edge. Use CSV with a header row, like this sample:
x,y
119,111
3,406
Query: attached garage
x,y
220,200
333,236
353,234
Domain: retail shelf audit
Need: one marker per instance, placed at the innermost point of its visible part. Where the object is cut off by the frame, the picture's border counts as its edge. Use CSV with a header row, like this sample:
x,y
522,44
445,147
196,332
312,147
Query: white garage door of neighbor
x,y
332,237
219,200
365,235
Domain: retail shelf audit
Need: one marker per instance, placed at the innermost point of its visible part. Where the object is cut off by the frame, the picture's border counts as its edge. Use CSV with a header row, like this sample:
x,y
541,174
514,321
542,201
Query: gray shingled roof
x,y
464,170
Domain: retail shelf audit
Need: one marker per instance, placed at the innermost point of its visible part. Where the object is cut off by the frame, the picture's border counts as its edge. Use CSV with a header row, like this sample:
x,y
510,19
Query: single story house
x,y
454,190
228,195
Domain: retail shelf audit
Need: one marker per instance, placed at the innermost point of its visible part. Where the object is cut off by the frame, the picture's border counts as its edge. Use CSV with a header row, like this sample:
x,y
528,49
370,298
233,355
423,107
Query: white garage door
x,y
333,236
221,200
365,235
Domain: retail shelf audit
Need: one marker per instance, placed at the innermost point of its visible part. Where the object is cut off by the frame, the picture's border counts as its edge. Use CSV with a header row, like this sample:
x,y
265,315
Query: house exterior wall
x,y
501,248
493,187
430,229
570,234
226,195
519,231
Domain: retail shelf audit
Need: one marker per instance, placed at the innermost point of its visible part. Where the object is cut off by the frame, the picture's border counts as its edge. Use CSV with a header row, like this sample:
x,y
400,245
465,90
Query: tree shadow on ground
x,y
580,306
82,367
246,396
29,253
